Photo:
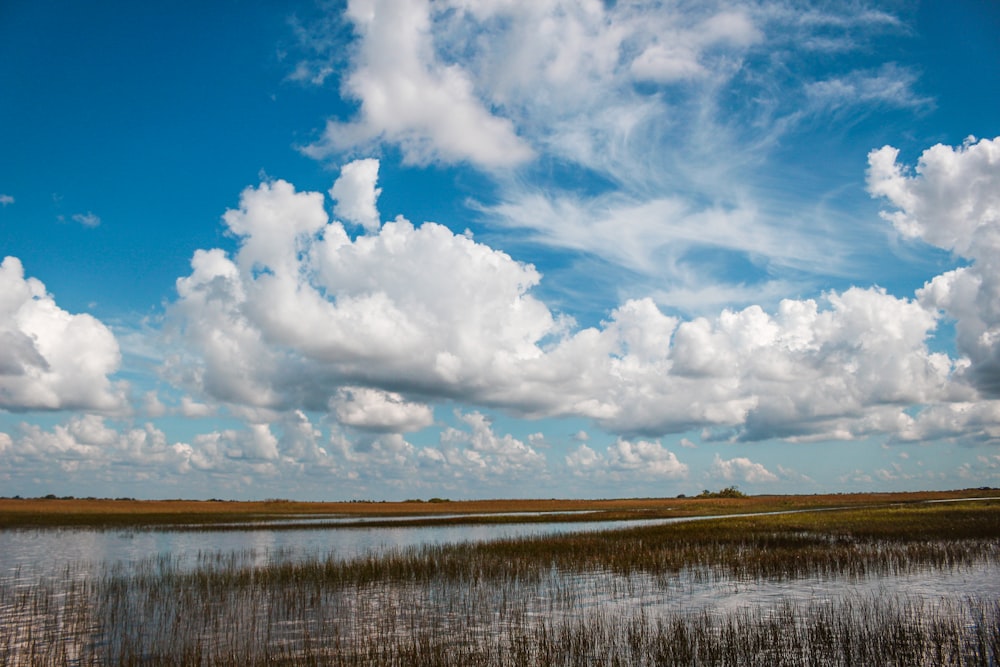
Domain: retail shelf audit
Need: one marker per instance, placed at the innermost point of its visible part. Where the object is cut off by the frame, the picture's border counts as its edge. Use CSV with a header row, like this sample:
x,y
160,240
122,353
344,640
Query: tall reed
x,y
613,598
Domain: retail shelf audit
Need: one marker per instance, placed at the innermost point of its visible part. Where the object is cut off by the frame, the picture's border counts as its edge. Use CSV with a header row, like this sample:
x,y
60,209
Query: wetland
x,y
889,579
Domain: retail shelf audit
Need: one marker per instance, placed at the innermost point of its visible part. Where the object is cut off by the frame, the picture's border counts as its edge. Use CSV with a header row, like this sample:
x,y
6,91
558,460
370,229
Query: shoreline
x,y
70,512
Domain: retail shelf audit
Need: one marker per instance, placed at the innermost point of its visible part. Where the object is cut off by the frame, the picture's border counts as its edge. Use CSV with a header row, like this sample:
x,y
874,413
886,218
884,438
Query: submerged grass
x,y
582,599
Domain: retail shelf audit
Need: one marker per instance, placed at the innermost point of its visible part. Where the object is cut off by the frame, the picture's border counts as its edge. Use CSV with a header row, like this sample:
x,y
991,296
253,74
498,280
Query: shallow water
x,y
48,551
35,553
689,591
47,566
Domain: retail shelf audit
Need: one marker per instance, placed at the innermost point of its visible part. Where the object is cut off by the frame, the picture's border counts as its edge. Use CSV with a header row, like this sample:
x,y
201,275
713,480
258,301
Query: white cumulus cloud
x,y
302,309
478,449
741,469
409,97
356,195
624,459
305,317
87,441
380,411
952,201
51,359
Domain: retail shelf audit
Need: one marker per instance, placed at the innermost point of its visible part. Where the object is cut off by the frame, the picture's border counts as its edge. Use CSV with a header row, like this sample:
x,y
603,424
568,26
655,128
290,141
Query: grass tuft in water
x,y
586,599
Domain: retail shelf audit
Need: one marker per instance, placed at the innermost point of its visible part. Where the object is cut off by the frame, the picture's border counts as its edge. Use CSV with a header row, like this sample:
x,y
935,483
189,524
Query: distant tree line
x,y
728,492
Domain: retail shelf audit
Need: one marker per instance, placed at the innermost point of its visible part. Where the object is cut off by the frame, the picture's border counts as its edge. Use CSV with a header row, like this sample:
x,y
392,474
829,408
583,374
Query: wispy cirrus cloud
x,y
663,115
888,86
87,219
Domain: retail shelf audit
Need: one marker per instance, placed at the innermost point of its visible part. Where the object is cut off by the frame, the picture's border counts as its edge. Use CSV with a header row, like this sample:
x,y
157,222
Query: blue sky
x,y
478,248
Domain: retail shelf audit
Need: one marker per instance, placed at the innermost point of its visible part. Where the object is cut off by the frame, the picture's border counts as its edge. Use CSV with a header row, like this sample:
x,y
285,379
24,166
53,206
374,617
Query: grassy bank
x,y
584,599
138,514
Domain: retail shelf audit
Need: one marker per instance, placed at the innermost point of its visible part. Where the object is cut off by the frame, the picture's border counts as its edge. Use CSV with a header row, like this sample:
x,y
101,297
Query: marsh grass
x,y
171,514
582,599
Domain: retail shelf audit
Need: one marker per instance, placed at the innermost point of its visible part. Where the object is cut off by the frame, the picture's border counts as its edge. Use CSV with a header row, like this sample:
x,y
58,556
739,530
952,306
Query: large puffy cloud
x,y
843,370
51,359
306,317
953,202
304,309
408,96
230,358
953,199
374,410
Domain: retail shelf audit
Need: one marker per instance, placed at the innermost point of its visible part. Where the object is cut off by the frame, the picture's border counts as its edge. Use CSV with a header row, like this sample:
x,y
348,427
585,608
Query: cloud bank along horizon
x,y
639,311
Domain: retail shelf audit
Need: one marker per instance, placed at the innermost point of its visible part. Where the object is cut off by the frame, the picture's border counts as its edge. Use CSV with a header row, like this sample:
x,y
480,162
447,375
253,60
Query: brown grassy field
x,y
41,512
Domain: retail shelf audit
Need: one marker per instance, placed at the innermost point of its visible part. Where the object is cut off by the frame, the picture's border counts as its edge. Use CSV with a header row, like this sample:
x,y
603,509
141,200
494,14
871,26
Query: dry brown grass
x,y
105,512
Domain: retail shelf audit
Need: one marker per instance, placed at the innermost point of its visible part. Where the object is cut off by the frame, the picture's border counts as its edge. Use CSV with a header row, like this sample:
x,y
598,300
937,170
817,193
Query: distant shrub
x,y
728,492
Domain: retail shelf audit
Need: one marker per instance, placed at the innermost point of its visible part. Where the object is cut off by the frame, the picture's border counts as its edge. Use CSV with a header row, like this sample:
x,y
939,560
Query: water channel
x,y
44,552
64,556
27,554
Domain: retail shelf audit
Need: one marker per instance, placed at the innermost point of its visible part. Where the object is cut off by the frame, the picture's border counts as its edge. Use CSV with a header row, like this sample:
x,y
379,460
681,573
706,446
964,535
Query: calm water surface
x,y
64,556
26,555
46,551
49,551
